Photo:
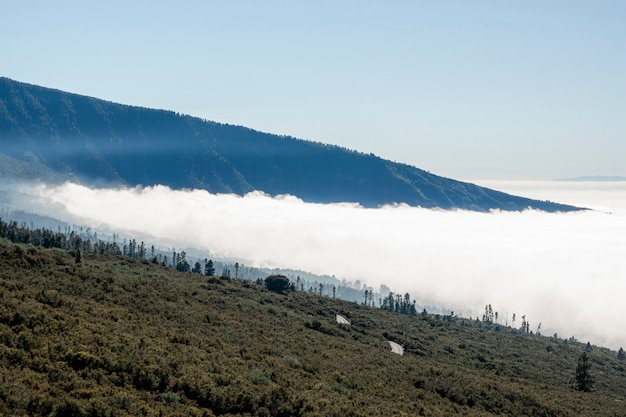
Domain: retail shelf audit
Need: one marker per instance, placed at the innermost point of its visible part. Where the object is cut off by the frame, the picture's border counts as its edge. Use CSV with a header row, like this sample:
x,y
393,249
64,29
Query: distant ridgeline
x,y
51,134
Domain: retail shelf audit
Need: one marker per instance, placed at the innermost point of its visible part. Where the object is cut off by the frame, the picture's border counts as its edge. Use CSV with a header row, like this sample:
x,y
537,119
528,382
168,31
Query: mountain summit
x,y
56,134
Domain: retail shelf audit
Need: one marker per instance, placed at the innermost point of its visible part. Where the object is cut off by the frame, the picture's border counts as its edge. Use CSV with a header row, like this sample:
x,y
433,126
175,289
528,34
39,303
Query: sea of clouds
x,y
566,271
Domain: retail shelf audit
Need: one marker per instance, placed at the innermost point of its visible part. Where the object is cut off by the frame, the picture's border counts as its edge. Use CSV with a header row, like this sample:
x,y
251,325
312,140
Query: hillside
x,y
113,336
53,135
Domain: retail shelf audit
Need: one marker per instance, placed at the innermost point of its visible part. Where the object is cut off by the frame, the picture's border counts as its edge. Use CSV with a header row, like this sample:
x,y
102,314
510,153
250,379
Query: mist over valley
x,y
279,202
310,210
563,270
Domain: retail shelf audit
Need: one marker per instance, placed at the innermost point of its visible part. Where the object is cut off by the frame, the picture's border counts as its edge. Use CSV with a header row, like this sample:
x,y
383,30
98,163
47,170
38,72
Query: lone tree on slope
x,y
583,380
209,269
277,283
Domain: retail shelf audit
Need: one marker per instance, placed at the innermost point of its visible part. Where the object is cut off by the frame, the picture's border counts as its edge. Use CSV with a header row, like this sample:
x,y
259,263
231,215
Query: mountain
x,y
103,335
48,133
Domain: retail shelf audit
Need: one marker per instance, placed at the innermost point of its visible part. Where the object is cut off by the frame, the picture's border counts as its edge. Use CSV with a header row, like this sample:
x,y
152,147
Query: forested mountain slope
x,y
48,133
102,335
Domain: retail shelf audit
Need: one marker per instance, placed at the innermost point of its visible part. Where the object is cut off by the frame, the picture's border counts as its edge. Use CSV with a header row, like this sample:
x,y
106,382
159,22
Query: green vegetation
x,y
113,336
583,380
277,283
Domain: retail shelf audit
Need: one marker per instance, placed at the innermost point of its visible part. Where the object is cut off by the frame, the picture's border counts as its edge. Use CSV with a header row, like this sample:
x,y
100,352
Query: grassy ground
x,y
116,337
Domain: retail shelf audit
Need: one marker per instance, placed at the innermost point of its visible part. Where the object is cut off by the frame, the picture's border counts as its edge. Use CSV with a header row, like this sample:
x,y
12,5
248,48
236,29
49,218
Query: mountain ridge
x,y
93,140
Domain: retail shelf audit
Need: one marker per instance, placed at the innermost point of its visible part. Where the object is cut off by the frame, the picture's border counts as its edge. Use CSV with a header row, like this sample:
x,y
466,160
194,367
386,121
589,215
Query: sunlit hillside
x,y
86,335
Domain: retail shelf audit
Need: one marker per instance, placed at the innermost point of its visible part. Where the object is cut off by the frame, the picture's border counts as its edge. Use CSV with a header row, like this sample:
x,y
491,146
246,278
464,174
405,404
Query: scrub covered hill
x,y
111,336
51,134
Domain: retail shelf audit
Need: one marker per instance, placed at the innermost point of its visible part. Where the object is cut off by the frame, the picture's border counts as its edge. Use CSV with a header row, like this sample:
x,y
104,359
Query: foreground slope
x,y
111,336
92,140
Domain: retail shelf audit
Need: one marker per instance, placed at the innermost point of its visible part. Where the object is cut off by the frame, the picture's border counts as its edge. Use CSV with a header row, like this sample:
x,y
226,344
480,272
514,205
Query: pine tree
x,y
488,317
621,355
525,327
209,270
583,380
181,263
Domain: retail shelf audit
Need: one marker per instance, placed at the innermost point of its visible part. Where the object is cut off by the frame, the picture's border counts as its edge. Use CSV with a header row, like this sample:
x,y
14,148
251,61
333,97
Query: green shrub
x,y
277,283
171,397
261,377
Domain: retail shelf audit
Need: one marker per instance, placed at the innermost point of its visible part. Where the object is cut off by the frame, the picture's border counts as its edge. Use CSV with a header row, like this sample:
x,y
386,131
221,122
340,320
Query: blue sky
x,y
469,90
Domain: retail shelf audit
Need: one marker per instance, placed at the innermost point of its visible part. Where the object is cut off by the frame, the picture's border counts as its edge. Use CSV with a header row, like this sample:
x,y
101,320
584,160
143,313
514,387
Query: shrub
x,y
315,325
81,360
293,361
69,408
171,397
277,283
261,377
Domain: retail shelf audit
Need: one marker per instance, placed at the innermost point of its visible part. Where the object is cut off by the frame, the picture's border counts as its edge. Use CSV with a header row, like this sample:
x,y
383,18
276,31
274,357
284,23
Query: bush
x,y
292,361
277,283
69,408
261,377
171,397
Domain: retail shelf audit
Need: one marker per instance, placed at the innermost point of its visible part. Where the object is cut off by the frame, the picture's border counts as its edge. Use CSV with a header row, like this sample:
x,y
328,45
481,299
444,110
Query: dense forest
x,y
87,330
54,135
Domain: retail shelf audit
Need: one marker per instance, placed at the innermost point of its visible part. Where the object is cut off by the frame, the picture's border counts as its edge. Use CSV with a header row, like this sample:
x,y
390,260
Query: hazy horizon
x,y
565,270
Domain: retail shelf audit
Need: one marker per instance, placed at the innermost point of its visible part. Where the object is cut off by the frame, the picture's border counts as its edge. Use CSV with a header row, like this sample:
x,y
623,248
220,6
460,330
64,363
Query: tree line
x,y
81,243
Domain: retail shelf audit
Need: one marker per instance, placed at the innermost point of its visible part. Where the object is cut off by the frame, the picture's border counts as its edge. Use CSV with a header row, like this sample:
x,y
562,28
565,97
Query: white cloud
x,y
567,271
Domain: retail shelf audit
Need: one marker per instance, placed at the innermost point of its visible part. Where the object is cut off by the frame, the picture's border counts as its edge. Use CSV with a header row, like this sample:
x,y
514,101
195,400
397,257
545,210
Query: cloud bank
x,y
567,271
